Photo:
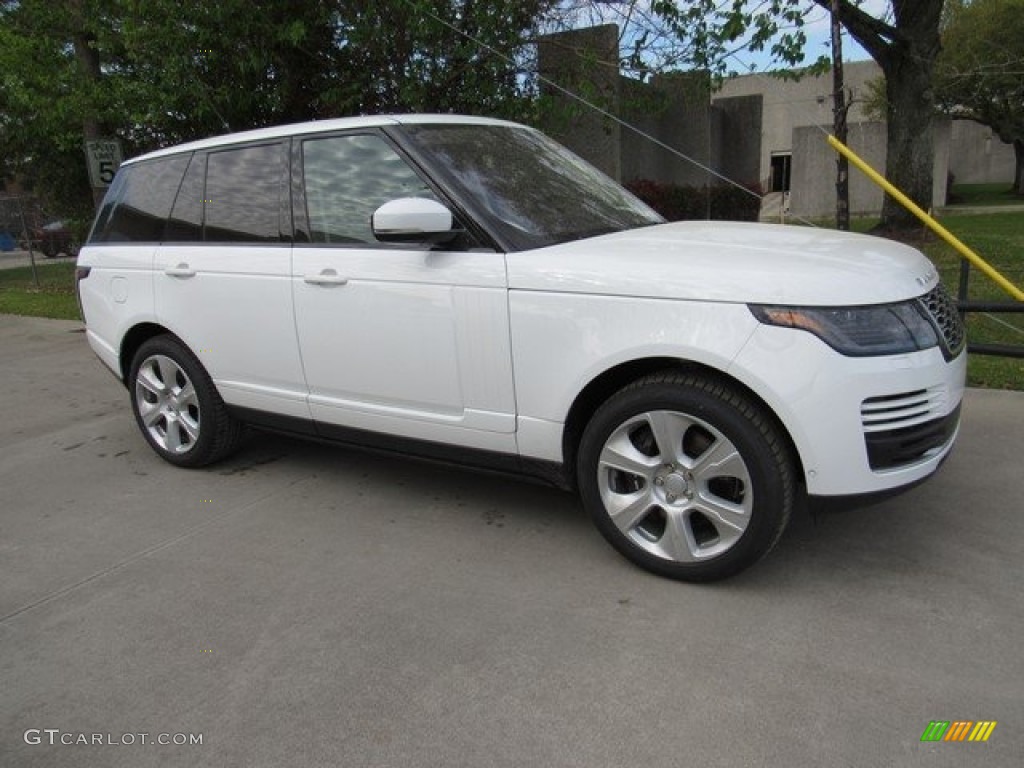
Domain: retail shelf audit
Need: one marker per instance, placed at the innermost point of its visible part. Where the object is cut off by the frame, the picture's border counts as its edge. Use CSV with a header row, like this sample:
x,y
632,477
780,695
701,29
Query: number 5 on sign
x,y
104,158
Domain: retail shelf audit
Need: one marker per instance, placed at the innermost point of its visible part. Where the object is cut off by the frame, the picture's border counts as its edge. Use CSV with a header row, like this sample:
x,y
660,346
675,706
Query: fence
x,y
987,307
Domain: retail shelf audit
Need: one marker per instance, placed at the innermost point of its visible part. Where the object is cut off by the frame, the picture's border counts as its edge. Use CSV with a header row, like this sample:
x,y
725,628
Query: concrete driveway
x,y
304,605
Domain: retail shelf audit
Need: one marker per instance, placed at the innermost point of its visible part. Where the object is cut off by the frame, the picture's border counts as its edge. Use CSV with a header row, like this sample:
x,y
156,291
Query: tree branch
x,y
873,34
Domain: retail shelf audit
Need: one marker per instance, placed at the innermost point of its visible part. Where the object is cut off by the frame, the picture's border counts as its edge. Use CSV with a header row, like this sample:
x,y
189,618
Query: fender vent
x,y
906,409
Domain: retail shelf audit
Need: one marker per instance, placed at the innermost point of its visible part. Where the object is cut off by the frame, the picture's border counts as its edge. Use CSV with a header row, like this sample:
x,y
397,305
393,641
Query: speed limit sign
x,y
104,157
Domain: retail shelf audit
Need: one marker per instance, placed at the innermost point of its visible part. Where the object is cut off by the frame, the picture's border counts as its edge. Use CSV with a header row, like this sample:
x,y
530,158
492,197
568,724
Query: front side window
x,y
139,201
242,198
346,179
530,189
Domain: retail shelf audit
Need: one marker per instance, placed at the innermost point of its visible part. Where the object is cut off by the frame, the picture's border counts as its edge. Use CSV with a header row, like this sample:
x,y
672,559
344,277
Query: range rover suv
x,y
467,289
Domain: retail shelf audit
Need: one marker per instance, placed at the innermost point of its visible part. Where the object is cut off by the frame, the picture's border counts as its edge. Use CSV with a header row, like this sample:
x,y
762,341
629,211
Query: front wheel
x,y
686,476
177,406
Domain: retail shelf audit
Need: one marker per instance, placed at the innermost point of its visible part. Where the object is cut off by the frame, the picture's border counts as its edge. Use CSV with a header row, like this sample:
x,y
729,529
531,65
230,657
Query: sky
x,y
817,26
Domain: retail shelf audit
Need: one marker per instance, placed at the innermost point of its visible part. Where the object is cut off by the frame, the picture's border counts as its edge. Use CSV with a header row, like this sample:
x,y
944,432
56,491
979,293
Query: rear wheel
x,y
177,407
686,476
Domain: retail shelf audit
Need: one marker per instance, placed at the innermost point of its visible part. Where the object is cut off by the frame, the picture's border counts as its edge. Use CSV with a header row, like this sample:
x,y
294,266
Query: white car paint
x,y
412,342
730,262
232,306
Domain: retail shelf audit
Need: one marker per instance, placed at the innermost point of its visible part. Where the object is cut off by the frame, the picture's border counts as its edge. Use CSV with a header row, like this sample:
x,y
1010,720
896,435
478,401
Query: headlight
x,y
884,329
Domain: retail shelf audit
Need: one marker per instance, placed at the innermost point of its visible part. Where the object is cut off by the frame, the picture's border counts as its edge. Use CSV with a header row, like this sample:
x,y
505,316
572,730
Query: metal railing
x,y
965,306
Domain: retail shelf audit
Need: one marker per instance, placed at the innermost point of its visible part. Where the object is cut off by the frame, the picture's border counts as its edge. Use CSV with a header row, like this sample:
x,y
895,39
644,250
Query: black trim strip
x,y
274,422
900,447
549,472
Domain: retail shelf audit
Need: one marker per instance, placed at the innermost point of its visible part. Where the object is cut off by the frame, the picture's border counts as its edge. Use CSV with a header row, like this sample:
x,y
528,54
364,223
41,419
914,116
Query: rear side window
x,y
243,191
186,222
139,201
347,179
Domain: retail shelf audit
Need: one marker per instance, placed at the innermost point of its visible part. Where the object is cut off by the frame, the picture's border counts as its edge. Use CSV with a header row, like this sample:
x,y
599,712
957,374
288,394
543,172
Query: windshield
x,y
532,191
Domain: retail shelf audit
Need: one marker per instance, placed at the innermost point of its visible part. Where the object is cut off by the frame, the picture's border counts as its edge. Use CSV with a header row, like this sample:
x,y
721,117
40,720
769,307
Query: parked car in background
x,y
467,289
53,239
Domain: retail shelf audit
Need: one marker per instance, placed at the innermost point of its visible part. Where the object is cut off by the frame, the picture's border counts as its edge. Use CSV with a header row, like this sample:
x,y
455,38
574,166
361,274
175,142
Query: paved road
x,y
304,605
12,259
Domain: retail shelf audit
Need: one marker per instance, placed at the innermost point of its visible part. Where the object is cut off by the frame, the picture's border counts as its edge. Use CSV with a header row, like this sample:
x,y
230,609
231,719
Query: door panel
x,y
235,313
413,342
396,339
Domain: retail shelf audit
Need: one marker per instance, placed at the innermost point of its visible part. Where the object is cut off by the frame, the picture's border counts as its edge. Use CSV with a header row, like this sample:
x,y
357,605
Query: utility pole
x,y
839,108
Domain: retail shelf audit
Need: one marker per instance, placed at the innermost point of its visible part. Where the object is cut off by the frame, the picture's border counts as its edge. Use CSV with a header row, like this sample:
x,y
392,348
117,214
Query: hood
x,y
730,262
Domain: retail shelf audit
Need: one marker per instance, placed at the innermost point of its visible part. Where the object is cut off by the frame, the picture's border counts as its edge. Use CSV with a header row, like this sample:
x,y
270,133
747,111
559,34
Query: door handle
x,y
182,270
326,277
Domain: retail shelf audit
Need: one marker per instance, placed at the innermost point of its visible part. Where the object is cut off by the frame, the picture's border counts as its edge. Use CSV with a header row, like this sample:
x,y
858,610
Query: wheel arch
x,y
136,336
607,383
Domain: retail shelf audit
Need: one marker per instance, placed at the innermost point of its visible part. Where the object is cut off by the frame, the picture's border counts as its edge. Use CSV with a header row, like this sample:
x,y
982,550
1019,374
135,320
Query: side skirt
x,y
547,472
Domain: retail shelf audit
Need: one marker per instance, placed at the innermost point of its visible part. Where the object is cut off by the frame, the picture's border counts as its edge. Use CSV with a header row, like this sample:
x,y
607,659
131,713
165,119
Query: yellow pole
x,y
932,224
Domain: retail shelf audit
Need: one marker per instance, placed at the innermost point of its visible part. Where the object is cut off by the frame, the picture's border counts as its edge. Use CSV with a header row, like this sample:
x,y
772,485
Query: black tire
x,y
186,427
709,504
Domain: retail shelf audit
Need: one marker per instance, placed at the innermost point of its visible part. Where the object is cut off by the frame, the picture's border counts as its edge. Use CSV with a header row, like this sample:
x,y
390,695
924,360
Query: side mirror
x,y
413,220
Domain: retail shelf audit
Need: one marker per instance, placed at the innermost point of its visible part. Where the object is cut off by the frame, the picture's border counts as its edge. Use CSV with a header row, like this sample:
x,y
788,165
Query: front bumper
x,y
860,425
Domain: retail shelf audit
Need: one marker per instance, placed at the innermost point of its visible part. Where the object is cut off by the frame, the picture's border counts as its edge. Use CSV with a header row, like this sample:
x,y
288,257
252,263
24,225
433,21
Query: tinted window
x,y
531,190
139,201
186,222
243,187
347,178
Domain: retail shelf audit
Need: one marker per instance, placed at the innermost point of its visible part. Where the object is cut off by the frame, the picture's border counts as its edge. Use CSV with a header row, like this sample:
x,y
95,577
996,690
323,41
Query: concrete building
x,y
676,110
755,130
786,104
979,156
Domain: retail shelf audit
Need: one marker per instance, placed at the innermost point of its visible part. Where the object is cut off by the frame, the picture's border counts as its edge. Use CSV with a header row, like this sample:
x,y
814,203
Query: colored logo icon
x,y
958,730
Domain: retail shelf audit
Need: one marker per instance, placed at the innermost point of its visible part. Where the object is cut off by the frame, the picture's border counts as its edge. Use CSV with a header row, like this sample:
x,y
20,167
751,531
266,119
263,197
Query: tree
x,y
160,72
904,41
905,49
46,91
980,72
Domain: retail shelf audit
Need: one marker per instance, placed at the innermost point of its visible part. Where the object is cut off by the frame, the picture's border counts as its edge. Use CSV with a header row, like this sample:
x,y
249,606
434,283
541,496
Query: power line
x,y
605,113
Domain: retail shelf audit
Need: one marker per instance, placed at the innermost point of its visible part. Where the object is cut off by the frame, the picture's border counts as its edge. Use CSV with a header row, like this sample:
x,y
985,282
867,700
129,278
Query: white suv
x,y
468,290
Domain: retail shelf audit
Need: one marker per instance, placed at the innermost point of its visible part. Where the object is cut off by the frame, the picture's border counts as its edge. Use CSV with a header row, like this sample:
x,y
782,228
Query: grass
x,y
999,239
55,296
984,195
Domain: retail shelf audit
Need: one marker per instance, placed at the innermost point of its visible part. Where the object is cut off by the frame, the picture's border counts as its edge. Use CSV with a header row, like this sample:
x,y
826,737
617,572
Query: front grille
x,y
941,310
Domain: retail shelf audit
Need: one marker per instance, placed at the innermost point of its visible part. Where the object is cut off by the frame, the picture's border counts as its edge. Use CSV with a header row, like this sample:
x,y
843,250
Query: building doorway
x,y
781,164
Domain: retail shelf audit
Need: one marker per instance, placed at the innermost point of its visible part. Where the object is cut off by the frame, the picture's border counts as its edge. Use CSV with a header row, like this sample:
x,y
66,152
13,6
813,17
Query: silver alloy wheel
x,y
168,404
675,486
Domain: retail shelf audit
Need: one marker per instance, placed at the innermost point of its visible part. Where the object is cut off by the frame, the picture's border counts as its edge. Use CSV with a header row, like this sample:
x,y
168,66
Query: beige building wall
x,y
978,156
788,104
797,114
